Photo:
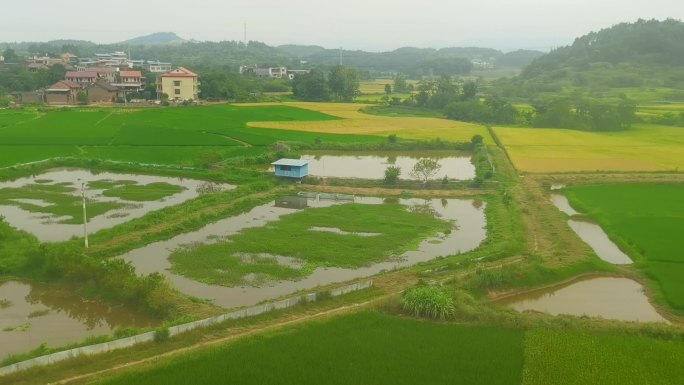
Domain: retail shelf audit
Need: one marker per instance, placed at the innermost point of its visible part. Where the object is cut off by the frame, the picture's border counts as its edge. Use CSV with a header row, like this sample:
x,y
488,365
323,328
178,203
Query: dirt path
x,y
380,191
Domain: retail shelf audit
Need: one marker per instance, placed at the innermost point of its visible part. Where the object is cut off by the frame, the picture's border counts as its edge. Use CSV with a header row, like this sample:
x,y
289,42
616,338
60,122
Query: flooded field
x,y
32,314
608,297
48,205
374,166
467,233
592,234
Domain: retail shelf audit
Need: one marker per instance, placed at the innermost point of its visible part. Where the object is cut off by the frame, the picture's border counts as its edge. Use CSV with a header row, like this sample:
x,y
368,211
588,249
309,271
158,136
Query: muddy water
x,y
373,166
467,234
592,234
48,229
597,239
561,202
608,297
40,314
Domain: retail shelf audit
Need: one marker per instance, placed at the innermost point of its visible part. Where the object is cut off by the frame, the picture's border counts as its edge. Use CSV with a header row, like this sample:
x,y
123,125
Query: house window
x,y
176,83
285,168
177,92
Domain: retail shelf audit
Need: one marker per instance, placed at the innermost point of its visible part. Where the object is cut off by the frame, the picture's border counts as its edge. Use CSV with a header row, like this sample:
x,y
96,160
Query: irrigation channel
x,y
608,297
35,215
365,166
469,230
36,313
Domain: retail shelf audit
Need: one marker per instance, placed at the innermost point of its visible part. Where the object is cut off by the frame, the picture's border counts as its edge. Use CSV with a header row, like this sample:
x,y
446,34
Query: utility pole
x,y
85,218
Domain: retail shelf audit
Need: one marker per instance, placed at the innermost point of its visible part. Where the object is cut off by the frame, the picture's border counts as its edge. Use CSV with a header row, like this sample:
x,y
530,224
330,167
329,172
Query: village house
x,y
158,67
36,97
107,73
64,92
179,84
102,92
83,78
130,81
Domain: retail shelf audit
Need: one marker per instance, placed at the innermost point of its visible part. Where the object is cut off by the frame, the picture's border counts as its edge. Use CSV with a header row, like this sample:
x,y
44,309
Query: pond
x,y
592,234
32,314
613,298
469,230
49,205
374,166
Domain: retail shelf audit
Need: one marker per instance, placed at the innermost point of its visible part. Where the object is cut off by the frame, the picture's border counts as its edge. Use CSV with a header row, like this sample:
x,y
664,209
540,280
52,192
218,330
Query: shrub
x,y
392,174
428,301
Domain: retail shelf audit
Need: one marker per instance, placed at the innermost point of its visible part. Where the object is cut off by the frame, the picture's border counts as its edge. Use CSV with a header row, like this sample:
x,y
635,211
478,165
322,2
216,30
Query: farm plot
x,y
645,218
642,148
566,358
363,348
153,134
356,122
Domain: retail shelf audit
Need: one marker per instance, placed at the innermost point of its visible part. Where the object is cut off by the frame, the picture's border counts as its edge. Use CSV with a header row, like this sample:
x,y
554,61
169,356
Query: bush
x,y
392,174
428,301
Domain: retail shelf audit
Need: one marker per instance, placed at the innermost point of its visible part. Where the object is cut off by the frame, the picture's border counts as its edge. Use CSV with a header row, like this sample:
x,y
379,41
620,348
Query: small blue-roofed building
x,y
291,168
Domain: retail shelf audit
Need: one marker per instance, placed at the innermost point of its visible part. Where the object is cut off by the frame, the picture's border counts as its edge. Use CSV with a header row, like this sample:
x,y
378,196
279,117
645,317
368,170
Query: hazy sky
x,y
352,24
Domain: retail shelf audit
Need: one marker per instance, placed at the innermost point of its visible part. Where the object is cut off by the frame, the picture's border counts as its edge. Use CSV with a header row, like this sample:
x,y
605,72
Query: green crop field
x,y
648,218
374,348
392,229
151,135
363,348
566,358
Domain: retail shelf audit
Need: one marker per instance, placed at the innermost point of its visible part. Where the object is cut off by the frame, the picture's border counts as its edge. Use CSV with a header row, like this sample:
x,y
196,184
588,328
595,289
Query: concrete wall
x,y
175,330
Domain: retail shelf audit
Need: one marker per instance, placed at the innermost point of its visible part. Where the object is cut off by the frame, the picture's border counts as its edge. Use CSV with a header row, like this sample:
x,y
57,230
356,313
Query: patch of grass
x,y
223,263
59,199
143,193
5,303
363,348
569,358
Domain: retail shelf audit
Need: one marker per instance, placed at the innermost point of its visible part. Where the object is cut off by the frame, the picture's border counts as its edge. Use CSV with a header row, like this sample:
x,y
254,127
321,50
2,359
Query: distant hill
x,y
300,51
158,38
518,59
629,48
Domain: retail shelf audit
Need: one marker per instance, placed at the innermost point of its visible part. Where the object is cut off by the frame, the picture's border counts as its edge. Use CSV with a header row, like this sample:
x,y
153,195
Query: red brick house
x,y
102,92
64,92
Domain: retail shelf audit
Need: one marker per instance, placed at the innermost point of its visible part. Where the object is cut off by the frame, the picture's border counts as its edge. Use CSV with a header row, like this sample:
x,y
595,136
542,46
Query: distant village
x,y
109,77
115,78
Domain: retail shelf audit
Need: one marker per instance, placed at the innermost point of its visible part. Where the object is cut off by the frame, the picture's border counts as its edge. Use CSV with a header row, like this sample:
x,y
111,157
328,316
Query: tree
x,y
400,84
82,97
344,83
388,89
425,169
10,56
312,87
469,90
392,174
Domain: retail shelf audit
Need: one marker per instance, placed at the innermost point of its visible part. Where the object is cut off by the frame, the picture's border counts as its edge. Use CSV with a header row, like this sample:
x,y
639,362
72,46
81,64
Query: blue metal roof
x,y
291,162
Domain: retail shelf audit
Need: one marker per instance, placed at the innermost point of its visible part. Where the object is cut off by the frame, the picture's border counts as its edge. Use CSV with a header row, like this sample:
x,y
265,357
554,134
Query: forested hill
x,y
647,52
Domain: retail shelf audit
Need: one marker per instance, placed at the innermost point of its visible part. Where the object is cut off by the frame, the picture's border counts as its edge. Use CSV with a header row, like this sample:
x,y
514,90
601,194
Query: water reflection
x,y
608,297
40,313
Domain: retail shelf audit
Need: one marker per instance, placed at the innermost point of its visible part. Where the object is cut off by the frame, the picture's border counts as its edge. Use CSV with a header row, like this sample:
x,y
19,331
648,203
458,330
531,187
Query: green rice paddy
x,y
647,219
374,348
117,134
227,262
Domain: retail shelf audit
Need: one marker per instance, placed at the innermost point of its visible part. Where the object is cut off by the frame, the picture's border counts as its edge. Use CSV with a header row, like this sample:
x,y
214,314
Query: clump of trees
x,y
425,169
584,114
340,84
392,174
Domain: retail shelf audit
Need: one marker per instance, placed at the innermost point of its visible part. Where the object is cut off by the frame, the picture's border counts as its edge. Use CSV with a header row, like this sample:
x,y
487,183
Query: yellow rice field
x,y
356,122
643,148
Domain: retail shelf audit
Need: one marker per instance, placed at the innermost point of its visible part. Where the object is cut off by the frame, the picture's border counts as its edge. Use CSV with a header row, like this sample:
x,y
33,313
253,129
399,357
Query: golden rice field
x,y
377,86
643,148
356,122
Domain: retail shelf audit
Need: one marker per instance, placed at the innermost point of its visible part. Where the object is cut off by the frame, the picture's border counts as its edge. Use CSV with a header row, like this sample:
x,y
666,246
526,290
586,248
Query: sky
x,y
373,25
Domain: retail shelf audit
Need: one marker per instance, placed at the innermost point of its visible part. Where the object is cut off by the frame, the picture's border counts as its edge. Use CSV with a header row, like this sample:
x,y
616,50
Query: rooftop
x,y
290,162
